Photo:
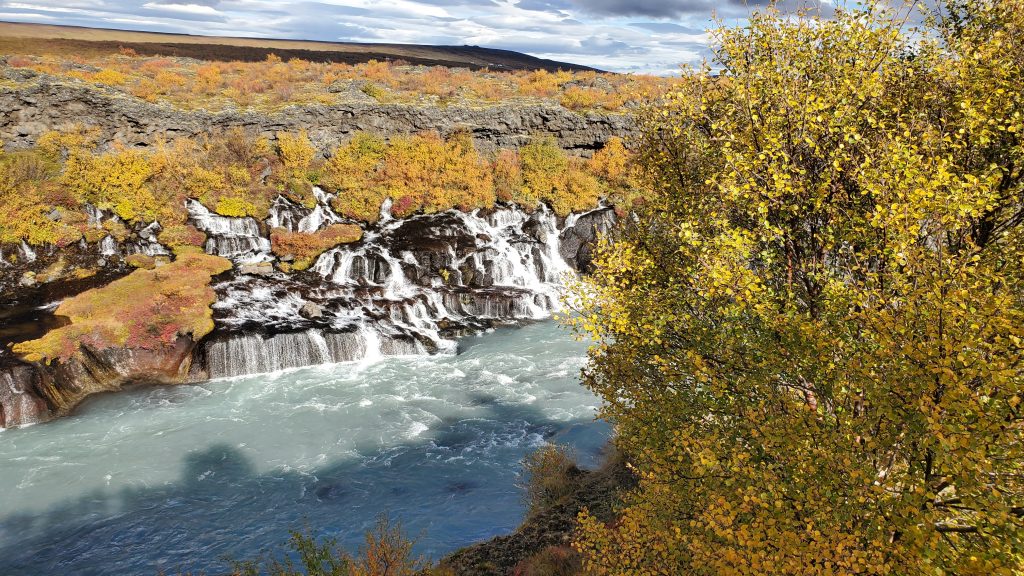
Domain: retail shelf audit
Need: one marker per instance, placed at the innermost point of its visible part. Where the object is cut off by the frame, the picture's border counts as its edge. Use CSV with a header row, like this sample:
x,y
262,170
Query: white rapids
x,y
405,289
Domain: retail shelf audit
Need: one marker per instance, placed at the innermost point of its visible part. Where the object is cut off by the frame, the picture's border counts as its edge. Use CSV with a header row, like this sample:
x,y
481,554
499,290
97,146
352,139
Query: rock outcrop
x,y
36,103
410,286
32,393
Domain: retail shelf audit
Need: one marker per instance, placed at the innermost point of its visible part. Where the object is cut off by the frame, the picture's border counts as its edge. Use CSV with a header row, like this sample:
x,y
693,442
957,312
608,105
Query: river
x,y
179,478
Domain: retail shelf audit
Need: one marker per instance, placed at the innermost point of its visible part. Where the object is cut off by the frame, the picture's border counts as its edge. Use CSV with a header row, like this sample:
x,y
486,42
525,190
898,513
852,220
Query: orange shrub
x,y
20,61
540,83
169,81
576,98
305,247
147,309
426,173
145,89
377,71
155,65
508,175
297,154
437,80
612,161
543,164
208,78
576,190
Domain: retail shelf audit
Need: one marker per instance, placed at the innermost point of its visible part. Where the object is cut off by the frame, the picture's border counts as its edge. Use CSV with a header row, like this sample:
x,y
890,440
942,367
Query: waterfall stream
x,y
409,287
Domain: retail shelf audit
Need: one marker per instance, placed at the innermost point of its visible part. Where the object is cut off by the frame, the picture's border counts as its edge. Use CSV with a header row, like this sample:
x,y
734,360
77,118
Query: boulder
x,y
577,242
311,311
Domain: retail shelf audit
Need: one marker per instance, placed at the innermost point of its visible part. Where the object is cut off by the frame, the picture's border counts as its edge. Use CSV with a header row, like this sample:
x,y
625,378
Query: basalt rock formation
x,y
410,286
36,392
35,103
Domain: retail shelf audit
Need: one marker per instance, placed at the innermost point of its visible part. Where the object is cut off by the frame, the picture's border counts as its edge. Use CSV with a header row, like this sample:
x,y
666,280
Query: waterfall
x,y
16,405
410,286
241,354
236,238
26,251
146,241
95,216
108,246
287,214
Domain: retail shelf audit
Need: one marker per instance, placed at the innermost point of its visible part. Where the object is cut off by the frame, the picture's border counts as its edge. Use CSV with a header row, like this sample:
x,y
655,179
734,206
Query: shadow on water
x,y
455,487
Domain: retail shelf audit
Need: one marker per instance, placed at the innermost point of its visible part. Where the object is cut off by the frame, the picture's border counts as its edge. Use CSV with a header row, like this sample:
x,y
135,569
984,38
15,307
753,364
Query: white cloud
x,y
187,8
618,35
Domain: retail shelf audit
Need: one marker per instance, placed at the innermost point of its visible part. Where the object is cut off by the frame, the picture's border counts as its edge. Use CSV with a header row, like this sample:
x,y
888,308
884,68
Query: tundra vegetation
x,y
810,336
274,83
46,189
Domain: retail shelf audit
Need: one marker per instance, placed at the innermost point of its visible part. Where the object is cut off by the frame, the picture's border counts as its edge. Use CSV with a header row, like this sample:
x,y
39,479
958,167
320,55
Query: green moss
x,y
141,261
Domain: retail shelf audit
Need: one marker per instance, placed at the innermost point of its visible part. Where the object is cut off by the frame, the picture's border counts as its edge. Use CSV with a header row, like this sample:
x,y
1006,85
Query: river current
x,y
181,478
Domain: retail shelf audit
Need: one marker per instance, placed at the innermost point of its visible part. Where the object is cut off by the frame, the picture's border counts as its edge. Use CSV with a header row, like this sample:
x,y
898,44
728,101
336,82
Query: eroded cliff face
x,y
410,286
37,392
35,103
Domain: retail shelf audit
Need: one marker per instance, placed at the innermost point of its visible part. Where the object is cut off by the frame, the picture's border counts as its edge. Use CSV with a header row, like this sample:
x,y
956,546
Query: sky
x,y
642,36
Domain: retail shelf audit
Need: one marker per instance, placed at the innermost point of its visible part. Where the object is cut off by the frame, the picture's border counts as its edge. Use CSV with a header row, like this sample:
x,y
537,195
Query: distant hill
x,y
21,38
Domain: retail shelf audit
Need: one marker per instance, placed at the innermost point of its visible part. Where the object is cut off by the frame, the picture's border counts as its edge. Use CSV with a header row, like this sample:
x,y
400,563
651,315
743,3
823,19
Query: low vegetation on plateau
x,y
304,247
811,337
274,83
148,309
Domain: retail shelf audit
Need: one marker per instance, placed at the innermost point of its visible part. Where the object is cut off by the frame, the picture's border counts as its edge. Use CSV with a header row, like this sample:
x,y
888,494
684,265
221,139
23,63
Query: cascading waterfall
x,y
108,246
26,252
409,287
146,242
18,402
254,354
236,238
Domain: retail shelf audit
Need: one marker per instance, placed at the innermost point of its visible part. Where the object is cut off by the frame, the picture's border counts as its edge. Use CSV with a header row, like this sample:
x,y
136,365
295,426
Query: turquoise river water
x,y
181,478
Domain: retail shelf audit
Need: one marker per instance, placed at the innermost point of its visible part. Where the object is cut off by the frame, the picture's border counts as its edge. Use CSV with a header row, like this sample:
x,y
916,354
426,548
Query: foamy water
x,y
176,478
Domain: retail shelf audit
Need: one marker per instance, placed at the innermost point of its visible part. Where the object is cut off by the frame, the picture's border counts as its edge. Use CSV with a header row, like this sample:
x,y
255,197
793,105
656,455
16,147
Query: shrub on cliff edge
x,y
304,247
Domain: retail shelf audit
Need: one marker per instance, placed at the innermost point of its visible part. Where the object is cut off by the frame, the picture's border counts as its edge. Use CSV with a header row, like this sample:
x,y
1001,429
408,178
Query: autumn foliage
x,y
274,83
47,188
303,247
424,173
811,336
150,308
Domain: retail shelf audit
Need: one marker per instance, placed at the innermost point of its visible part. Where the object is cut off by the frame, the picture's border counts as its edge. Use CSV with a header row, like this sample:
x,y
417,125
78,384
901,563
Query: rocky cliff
x,y
34,103
410,286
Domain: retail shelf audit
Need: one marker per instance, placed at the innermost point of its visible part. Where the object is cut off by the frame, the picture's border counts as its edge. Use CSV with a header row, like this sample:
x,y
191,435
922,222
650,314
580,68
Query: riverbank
x,y
542,544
